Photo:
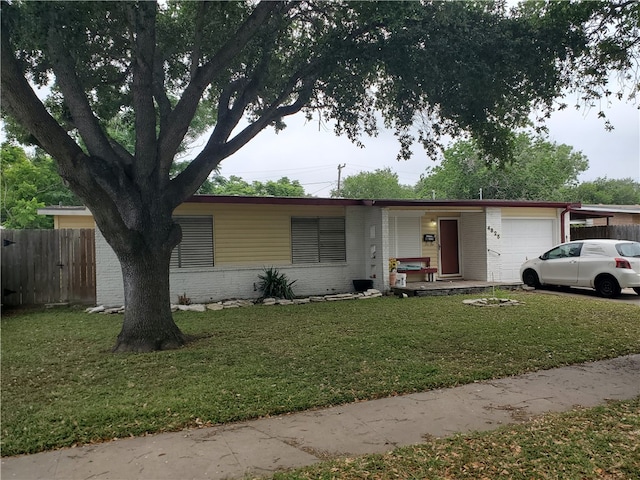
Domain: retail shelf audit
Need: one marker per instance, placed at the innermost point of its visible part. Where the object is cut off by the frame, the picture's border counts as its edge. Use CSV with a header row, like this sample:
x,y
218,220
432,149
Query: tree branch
x,y
75,99
197,40
215,151
245,92
143,18
78,169
270,115
178,122
19,99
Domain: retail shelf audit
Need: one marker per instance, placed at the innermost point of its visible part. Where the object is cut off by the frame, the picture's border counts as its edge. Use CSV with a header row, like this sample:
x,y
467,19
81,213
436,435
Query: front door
x,y
449,252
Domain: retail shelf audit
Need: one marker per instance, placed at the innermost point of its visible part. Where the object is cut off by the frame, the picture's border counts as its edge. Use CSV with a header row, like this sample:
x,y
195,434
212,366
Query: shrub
x,y
275,284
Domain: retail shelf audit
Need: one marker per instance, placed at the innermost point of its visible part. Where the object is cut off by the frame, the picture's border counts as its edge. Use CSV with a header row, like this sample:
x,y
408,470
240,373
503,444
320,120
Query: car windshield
x,y
631,249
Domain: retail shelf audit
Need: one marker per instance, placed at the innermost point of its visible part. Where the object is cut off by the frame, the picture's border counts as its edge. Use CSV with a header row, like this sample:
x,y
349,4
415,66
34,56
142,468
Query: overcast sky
x,y
311,155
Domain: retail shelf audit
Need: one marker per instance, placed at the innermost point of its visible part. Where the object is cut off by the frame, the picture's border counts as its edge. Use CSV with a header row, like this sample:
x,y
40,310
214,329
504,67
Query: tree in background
x,y
382,183
29,182
606,191
540,170
460,66
234,185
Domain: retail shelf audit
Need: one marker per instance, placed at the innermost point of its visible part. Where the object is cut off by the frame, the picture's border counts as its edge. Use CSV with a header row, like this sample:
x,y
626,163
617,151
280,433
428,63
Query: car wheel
x,y
637,290
530,278
607,286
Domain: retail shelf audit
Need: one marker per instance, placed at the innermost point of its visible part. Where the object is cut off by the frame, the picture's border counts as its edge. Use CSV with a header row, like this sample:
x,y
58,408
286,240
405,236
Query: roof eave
x,y
379,203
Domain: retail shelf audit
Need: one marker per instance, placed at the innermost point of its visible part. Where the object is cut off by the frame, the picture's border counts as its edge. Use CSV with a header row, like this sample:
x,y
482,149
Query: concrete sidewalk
x,y
261,447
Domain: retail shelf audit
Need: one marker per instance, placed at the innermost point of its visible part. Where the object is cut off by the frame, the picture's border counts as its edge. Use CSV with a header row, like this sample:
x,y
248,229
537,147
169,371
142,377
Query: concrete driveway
x,y
627,295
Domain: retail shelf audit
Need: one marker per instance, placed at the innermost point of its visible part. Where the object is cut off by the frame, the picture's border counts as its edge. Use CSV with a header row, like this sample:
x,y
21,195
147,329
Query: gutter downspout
x,y
567,209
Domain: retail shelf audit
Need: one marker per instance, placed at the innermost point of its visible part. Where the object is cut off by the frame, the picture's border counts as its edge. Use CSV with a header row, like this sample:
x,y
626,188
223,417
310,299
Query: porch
x,y
453,287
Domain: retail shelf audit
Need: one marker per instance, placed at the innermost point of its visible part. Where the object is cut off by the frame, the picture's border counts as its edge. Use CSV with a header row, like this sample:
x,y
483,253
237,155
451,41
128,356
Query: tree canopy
x,y
382,183
540,170
234,185
168,70
29,182
606,191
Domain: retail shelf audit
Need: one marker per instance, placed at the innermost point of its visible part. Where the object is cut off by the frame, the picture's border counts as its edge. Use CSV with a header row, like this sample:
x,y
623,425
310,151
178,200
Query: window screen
x,y
196,247
318,240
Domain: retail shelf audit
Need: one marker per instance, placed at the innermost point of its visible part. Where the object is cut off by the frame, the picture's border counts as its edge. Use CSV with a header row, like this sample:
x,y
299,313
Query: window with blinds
x,y
196,247
318,240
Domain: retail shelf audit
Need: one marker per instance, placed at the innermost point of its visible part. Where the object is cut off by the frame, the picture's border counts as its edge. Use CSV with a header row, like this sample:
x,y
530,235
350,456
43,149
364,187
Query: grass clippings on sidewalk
x,y
596,443
61,385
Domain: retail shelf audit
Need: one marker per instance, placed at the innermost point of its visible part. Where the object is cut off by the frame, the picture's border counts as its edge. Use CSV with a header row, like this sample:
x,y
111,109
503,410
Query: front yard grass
x,y
596,443
61,386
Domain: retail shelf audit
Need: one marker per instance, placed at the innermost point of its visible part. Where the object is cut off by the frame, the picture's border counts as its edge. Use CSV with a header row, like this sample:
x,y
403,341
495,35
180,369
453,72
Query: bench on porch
x,y
417,265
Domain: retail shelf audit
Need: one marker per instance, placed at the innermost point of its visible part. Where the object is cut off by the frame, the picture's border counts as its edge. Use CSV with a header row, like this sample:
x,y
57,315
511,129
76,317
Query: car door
x,y
560,265
596,258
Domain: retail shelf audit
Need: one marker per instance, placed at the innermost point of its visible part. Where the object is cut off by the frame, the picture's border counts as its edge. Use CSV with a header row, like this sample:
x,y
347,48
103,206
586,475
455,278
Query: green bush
x,y
275,284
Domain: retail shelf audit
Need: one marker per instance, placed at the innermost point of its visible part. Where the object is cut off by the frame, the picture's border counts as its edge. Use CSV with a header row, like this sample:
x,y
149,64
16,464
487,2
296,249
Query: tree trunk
x,y
148,324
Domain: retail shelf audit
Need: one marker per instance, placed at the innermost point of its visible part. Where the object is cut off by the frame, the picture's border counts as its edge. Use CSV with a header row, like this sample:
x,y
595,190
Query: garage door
x,y
524,239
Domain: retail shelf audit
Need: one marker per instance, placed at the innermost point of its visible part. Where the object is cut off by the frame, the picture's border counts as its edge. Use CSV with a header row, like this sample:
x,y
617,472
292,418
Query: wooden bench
x,y
417,265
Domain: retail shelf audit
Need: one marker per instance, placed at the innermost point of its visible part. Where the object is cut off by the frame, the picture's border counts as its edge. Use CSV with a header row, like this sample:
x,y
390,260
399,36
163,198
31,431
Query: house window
x,y
318,240
196,247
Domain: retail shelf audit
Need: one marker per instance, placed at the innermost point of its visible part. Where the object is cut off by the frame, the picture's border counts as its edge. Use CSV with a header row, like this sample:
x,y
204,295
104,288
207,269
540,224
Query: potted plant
x,y
393,271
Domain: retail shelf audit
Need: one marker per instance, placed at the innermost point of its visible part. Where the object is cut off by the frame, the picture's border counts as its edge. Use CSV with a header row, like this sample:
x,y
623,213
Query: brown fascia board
x,y
473,203
379,203
590,214
236,199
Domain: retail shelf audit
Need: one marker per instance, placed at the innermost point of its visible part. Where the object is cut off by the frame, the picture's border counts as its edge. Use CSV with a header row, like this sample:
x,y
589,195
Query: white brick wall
x,y
109,286
364,233
384,240
219,283
493,235
355,220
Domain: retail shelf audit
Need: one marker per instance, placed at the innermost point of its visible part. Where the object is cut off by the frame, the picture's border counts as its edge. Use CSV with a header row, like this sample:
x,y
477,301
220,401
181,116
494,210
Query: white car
x,y
606,265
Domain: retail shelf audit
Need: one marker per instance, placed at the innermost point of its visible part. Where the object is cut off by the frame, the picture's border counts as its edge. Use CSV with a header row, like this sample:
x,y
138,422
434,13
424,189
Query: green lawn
x,y
596,443
61,386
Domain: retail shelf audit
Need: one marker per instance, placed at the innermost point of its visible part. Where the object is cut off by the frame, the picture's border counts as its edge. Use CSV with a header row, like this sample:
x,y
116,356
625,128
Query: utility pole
x,y
340,167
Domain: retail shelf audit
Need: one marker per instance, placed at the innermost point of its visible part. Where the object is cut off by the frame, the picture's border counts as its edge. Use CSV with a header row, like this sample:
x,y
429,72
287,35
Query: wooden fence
x,y
618,232
48,266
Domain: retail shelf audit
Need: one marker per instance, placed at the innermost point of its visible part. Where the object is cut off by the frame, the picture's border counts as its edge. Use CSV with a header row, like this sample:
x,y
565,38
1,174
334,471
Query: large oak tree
x,y
154,68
